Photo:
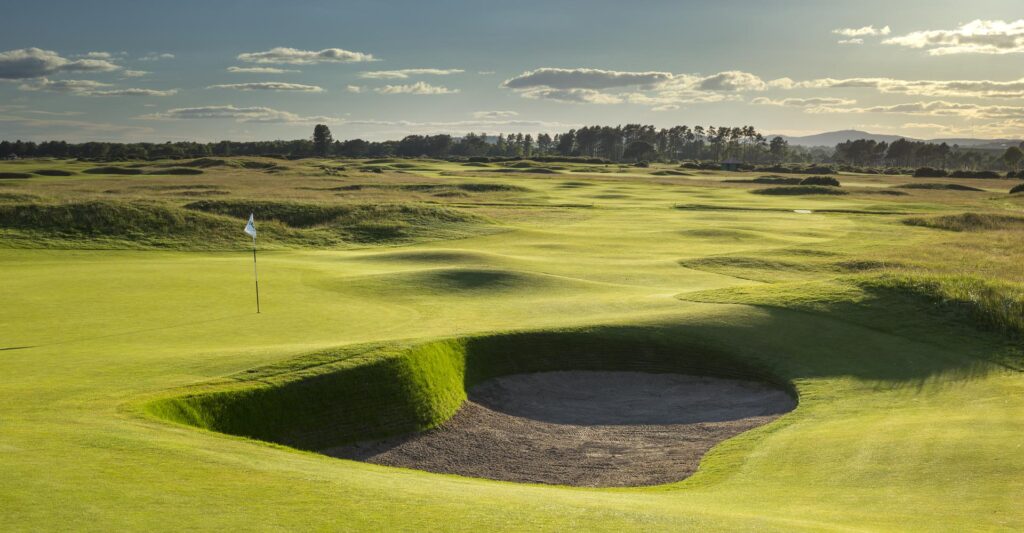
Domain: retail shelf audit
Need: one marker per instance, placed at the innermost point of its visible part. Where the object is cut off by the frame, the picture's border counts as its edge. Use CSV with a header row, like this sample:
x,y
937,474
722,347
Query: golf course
x,y
880,318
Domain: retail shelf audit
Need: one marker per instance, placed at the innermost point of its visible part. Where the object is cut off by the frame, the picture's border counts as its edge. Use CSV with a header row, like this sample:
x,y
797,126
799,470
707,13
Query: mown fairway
x,y
902,339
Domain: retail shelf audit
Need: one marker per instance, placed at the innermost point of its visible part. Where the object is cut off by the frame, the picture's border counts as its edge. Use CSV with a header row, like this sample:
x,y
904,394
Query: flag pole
x,y
255,274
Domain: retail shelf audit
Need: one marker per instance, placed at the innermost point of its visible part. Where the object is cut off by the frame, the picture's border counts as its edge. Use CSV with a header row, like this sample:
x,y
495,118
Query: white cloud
x,y
415,88
658,89
975,37
866,31
802,102
269,86
99,55
293,56
260,70
353,88
239,114
938,108
576,96
494,114
731,80
154,56
134,73
933,88
28,63
63,86
89,88
850,41
407,72
584,78
132,91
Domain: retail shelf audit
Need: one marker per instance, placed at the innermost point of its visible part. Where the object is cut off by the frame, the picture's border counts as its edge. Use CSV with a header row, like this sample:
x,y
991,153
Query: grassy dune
x,y
128,320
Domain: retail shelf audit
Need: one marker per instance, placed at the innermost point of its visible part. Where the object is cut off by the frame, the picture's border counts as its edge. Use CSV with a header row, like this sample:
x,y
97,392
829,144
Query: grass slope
x,y
911,409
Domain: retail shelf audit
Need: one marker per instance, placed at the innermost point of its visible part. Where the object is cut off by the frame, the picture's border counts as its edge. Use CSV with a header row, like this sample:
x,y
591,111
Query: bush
x,y
827,181
14,175
939,187
928,172
178,171
1017,189
1015,175
52,172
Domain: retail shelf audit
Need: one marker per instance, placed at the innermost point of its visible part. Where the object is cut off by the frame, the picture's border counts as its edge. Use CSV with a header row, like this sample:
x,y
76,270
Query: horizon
x,y
378,72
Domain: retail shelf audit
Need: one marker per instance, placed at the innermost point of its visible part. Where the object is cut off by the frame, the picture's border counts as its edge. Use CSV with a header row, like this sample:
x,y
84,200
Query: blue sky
x,y
160,71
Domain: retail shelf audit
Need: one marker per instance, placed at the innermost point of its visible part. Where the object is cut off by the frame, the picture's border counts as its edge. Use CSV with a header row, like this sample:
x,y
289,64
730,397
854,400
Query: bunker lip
x,y
583,428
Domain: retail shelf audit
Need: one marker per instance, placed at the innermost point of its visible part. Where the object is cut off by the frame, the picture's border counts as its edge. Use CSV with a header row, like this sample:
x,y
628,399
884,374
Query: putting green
x,y
911,414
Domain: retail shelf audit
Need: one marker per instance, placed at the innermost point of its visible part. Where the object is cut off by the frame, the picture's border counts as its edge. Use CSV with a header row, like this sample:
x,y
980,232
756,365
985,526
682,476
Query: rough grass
x,y
14,175
939,187
800,190
52,172
969,222
176,171
113,170
1016,189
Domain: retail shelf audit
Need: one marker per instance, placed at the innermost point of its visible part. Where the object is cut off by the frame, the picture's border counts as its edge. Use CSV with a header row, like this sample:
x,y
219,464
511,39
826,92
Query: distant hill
x,y
832,138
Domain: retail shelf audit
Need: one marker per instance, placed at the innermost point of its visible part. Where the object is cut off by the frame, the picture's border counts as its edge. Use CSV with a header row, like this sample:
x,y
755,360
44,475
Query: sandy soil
x,y
591,429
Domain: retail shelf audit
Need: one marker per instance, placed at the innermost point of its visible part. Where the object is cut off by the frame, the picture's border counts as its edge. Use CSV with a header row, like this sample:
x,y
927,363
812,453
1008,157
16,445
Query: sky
x,y
260,69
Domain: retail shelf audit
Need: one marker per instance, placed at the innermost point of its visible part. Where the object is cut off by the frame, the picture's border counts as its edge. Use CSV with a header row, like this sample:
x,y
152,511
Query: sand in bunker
x,y
591,429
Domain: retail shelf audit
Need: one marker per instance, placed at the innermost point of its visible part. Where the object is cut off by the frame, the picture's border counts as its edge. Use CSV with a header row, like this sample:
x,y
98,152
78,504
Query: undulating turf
x,y
128,320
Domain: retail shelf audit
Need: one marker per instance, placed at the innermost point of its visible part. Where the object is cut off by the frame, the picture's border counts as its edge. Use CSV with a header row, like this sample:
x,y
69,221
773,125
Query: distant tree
x,y
778,147
322,140
639,151
1012,157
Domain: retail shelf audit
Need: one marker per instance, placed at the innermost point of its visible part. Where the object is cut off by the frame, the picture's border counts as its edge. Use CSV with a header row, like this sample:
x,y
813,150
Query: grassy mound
x,y
341,396
14,175
827,181
670,173
1017,189
358,222
939,187
53,172
177,171
969,222
113,170
800,190
143,223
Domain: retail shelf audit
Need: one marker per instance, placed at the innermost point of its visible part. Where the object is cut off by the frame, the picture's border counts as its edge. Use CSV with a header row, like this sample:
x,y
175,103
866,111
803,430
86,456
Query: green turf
x,y
122,327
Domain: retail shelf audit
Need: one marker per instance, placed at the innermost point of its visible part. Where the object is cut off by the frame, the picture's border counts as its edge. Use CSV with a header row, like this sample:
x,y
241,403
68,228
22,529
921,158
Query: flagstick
x,y
256,275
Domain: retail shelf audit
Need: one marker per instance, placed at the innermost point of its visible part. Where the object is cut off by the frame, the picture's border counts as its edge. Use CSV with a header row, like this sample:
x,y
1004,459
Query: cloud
x,y
91,128
731,80
269,86
866,31
938,108
99,55
89,88
576,96
238,114
132,91
134,73
415,88
489,115
63,86
850,41
932,88
154,56
802,102
584,78
293,56
353,88
658,89
407,72
28,63
976,37
260,70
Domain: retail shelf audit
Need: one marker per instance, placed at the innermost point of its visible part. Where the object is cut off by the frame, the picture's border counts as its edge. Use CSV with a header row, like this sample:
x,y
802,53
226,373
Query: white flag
x,y
250,228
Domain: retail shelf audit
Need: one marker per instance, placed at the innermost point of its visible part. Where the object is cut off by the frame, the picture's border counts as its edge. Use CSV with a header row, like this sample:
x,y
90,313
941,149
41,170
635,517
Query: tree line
x,y
624,143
